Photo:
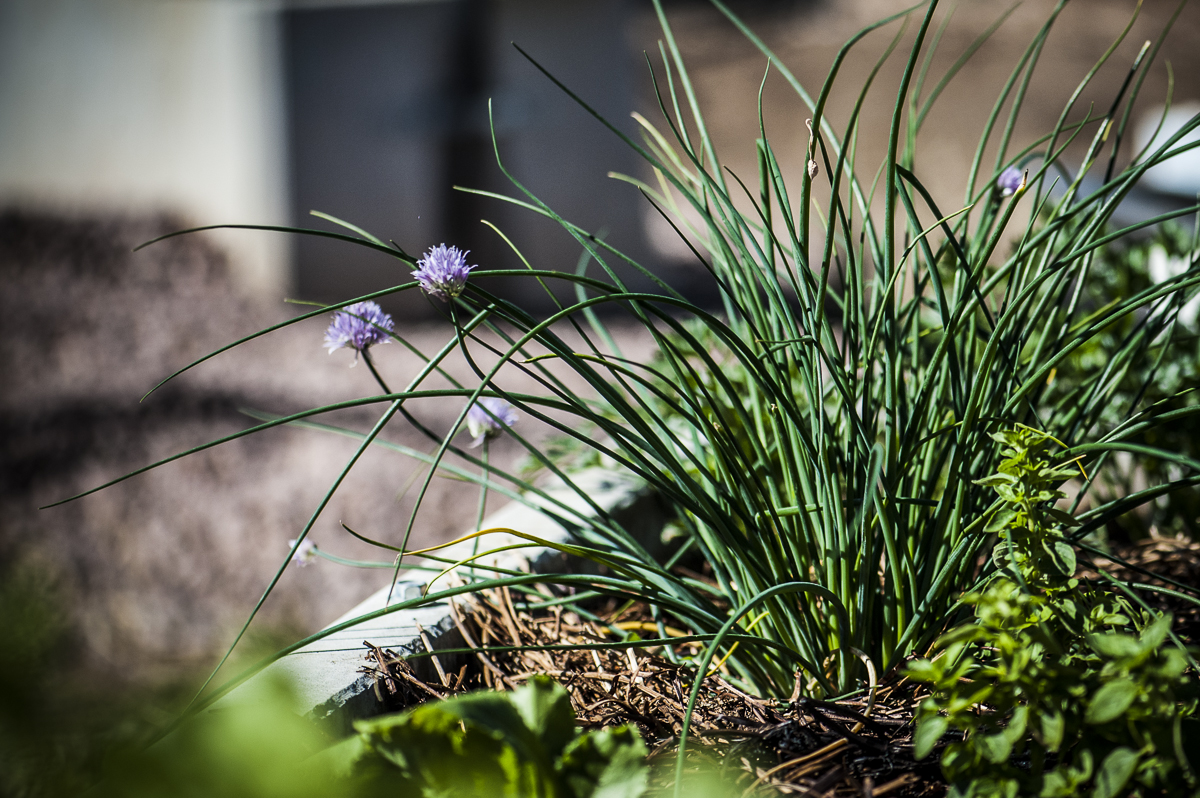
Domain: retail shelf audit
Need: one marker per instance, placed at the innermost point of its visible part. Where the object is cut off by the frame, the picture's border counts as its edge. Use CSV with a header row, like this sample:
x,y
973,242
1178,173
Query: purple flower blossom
x,y
358,326
443,272
488,417
305,554
1010,180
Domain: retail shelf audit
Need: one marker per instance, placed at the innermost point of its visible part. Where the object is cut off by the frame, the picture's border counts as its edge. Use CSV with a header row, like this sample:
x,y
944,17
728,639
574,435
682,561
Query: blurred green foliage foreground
x,y
67,732
59,740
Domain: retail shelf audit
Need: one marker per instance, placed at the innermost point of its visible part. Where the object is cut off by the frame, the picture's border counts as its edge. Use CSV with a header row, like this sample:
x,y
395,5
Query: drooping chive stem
x,y
486,419
481,510
375,372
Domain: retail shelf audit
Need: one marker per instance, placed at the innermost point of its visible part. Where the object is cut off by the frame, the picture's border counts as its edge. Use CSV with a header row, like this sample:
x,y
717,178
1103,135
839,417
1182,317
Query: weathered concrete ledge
x,y
326,675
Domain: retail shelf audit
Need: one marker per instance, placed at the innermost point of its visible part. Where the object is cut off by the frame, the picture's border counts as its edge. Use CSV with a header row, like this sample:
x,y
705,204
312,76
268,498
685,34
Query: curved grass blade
x,y
369,244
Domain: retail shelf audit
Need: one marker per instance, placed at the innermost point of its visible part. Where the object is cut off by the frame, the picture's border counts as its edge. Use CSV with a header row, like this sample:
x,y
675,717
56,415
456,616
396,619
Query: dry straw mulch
x,y
858,747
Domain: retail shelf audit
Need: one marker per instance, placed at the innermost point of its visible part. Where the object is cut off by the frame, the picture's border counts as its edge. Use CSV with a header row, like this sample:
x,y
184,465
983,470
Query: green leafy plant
x,y
521,744
1059,689
1034,546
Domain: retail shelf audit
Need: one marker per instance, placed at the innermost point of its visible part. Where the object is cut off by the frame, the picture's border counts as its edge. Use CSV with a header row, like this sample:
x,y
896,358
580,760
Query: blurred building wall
x,y
257,111
389,109
149,105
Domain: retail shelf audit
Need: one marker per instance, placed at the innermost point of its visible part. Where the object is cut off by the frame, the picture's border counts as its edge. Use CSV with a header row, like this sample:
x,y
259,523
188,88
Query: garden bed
x,y
860,746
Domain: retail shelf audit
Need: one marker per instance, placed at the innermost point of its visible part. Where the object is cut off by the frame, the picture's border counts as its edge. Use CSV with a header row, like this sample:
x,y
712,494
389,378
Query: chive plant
x,y
820,438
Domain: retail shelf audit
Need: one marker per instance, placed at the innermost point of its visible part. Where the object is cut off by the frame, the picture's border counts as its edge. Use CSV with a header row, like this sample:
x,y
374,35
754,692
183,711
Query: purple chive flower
x,y
305,554
443,272
1010,180
488,417
358,326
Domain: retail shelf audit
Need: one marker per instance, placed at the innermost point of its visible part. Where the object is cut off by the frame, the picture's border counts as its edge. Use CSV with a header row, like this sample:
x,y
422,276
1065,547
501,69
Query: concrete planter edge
x,y
327,676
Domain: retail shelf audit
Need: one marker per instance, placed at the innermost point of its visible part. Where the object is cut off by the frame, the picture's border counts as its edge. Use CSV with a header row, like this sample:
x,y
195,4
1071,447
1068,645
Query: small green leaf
x,y
1064,557
1008,437
929,731
1056,785
1083,765
1052,725
1009,494
1174,665
995,748
1000,521
433,750
608,763
988,787
923,670
1114,646
339,759
546,709
967,633
1153,635
1041,496
1014,732
1115,772
1061,473
1069,608
1067,779
1111,701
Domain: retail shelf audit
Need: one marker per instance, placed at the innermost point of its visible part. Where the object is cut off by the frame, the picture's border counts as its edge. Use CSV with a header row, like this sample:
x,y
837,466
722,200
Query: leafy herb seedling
x,y
1059,688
